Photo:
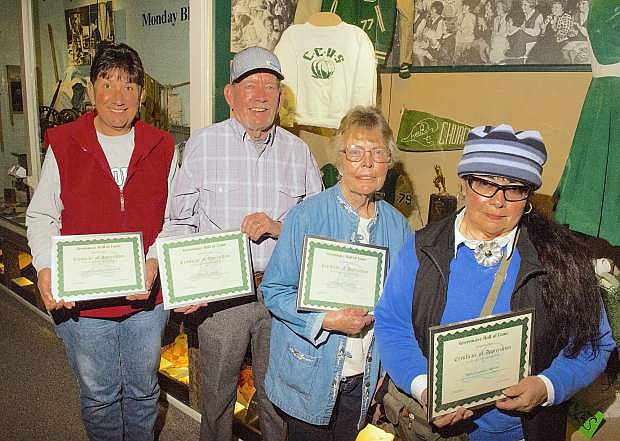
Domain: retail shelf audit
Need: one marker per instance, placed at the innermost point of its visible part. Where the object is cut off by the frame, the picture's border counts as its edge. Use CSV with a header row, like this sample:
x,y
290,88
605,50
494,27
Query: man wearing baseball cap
x,y
242,173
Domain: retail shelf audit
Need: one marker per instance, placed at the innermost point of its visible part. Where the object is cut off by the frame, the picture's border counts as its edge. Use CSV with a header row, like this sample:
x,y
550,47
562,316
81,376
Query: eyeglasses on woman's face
x,y
488,189
356,153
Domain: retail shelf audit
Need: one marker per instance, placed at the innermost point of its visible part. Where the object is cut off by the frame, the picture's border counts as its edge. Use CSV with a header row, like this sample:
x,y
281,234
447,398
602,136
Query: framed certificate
x,y
204,268
471,362
336,274
97,266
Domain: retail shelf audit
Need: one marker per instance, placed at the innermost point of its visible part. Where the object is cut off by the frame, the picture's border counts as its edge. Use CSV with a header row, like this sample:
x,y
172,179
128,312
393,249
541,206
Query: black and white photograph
x,y
86,27
259,22
14,82
494,32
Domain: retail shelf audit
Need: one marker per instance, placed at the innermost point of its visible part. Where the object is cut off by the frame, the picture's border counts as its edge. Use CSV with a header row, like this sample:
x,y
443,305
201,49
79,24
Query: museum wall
x,y
547,101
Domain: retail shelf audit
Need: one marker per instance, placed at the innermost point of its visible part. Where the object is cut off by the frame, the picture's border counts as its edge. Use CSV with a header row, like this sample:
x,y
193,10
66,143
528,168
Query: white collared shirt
x,y
357,346
507,240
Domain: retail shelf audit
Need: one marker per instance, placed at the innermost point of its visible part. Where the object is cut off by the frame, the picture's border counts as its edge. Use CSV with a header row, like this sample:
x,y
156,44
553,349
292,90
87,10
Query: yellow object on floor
x,y
373,433
245,386
22,281
174,361
23,260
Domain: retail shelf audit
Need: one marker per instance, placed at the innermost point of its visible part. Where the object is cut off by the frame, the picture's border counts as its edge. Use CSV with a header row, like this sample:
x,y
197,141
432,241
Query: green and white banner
x,y
424,132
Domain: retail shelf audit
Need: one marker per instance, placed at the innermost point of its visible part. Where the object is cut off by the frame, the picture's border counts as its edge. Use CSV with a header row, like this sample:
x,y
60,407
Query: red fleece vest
x,y
93,202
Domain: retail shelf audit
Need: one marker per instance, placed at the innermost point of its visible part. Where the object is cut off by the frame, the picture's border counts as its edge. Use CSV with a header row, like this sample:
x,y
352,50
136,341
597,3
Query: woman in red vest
x,y
107,172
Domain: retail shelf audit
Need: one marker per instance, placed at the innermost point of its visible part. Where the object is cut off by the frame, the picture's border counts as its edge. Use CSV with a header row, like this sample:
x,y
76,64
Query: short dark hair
x,y
471,3
117,56
438,6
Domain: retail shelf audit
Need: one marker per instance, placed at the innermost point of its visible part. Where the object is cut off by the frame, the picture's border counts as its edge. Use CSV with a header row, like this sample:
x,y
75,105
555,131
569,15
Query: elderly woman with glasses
x,y
445,274
323,366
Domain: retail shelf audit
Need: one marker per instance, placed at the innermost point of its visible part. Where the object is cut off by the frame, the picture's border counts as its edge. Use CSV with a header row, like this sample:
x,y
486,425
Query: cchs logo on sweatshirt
x,y
323,62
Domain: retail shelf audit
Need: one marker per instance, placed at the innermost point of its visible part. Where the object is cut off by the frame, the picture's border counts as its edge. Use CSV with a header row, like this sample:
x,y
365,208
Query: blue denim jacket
x,y
305,361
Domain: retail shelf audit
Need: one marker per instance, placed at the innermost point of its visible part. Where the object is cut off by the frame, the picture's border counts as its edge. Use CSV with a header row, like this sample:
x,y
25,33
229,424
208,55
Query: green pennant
x,y
424,132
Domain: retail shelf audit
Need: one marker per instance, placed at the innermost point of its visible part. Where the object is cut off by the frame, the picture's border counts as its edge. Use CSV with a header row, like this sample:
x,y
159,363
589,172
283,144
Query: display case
x,y
16,270
46,78
179,374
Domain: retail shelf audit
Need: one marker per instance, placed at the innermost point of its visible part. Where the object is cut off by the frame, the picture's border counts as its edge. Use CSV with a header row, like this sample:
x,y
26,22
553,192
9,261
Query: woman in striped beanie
x,y
445,275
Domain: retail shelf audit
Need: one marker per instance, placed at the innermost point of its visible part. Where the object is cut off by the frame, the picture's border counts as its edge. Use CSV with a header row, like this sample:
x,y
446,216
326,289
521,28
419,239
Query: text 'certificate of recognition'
x,y
97,266
471,362
204,267
337,274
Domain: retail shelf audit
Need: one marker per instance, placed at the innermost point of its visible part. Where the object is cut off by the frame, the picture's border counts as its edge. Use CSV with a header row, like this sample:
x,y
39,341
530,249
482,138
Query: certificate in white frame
x,y
202,268
337,274
470,363
97,266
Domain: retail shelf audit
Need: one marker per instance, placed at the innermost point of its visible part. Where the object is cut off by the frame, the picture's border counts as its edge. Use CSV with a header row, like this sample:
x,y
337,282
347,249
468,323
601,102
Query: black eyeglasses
x,y
355,153
488,189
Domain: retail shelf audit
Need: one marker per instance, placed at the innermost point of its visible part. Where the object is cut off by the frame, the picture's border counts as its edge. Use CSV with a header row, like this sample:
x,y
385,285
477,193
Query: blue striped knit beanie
x,y
500,151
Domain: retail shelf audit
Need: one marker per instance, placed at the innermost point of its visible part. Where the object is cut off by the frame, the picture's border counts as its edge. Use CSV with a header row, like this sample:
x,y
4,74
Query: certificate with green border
x,y
336,274
97,266
471,362
204,268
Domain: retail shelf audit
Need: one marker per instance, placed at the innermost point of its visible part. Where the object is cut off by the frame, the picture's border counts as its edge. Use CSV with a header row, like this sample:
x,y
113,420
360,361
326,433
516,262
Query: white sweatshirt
x,y
329,69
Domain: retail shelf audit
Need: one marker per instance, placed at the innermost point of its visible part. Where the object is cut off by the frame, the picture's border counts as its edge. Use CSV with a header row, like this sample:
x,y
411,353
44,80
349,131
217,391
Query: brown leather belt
x,y
258,277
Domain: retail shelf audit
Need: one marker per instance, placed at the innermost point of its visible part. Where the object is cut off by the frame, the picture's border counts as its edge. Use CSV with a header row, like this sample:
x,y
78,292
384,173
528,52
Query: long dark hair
x,y
570,289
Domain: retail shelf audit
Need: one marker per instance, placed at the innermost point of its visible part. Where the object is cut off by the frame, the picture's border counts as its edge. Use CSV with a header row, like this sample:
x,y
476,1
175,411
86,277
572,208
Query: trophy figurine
x,y
441,204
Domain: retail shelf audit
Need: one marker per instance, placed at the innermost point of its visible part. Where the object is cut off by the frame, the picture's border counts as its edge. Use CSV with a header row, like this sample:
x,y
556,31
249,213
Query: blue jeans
x,y
116,362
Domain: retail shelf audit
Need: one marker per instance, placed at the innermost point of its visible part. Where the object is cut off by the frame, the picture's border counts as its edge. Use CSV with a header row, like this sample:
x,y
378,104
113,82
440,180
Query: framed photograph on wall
x,y
259,22
14,85
86,27
492,35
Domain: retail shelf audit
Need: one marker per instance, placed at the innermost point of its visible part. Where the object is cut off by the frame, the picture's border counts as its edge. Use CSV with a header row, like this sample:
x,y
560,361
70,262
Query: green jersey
x,y
375,17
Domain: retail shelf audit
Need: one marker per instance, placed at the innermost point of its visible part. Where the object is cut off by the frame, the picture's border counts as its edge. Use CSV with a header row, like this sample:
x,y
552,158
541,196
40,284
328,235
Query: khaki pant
x,y
409,418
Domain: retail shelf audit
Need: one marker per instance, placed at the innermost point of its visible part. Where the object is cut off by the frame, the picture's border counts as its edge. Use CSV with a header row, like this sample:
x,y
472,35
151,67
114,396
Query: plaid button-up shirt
x,y
223,178
563,27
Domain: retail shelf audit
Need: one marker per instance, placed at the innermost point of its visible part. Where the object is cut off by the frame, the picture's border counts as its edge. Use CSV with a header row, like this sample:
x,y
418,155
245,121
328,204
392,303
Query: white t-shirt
x,y
118,150
357,346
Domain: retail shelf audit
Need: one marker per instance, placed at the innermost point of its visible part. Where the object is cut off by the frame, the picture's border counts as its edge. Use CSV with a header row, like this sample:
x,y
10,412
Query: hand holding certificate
x,y
97,266
337,275
471,363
